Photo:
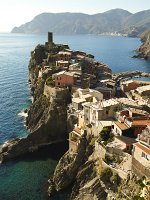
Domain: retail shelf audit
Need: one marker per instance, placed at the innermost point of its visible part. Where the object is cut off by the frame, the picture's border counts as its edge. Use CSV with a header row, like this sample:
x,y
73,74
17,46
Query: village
x,y
114,112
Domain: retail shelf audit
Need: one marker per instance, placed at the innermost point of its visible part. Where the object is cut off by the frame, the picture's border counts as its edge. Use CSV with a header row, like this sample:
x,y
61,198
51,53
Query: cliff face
x,y
144,50
75,169
47,116
47,123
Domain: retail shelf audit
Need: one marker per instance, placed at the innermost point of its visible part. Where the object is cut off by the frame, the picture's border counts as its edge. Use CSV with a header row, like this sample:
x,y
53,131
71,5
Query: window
x,y
58,83
144,155
107,112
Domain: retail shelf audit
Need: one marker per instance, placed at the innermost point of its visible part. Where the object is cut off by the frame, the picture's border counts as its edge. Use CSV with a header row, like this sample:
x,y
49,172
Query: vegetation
x,y
49,81
106,136
113,159
92,142
90,56
108,176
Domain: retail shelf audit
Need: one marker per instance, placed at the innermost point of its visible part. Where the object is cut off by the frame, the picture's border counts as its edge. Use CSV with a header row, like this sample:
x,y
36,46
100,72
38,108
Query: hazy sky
x,y
16,12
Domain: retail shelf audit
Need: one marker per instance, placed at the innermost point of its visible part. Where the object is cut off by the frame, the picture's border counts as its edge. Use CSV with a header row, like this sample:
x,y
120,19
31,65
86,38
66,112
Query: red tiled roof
x,y
122,126
145,149
141,122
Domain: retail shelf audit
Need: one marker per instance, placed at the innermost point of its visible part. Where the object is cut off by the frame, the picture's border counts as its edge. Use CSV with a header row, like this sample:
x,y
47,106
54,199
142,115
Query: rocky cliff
x,y
144,50
74,169
47,116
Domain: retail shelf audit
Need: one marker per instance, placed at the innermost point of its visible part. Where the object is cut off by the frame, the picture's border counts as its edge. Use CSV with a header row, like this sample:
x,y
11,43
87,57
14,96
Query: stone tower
x,y
50,37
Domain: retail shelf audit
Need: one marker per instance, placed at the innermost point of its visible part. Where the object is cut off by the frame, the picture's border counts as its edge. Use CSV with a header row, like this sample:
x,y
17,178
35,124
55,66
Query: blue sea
x,y
26,178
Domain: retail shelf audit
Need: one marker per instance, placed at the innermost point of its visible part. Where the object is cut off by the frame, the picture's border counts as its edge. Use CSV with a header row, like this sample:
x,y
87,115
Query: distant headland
x,y
113,22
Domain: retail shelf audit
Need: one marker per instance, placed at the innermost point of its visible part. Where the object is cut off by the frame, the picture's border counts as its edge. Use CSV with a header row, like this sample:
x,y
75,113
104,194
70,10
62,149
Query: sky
x,y
16,12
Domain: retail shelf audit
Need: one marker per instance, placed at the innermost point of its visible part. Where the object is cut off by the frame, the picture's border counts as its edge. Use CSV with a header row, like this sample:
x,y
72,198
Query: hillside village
x,y
111,115
118,125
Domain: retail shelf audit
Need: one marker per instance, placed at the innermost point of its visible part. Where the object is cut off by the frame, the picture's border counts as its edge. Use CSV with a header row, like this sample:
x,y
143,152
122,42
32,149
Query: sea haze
x,y
26,179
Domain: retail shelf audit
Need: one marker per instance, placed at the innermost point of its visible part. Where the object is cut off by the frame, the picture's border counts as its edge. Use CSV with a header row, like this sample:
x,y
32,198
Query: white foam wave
x,y
23,114
31,98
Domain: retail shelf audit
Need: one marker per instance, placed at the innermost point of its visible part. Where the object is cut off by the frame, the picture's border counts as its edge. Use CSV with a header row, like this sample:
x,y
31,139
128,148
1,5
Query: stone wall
x,y
52,92
139,169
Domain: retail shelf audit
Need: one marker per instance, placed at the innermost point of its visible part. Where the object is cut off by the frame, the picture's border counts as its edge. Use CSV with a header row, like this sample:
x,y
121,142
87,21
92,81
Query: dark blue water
x,y
25,179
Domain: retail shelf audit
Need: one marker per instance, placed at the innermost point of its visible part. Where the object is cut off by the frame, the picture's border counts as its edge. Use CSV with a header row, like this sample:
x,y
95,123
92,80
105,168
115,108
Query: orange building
x,y
64,79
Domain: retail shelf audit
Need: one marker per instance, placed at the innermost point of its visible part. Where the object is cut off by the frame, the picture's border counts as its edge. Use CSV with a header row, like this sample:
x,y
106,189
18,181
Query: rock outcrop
x,y
144,50
75,170
68,166
87,185
47,123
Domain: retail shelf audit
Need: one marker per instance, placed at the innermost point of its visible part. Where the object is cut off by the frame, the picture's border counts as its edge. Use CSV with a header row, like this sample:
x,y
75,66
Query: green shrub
x,y
106,135
49,81
106,175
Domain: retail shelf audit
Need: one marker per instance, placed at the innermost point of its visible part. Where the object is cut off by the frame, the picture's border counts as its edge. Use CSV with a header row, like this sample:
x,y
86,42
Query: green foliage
x,y
115,179
92,142
36,71
106,135
112,159
108,176
49,81
90,56
138,198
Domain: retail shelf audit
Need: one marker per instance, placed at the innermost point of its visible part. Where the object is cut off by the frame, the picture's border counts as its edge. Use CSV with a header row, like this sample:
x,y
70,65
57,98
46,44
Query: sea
x,y
26,177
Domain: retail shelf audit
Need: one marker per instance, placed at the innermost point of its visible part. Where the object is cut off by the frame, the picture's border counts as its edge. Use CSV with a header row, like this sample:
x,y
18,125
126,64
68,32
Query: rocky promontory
x,y
144,50
48,119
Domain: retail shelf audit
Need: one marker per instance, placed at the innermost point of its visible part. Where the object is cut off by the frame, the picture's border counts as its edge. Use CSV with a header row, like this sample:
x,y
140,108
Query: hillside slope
x,y
116,20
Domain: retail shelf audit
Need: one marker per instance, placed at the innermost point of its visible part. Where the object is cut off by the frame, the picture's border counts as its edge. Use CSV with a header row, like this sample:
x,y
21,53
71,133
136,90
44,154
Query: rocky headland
x,y
144,49
48,119
53,118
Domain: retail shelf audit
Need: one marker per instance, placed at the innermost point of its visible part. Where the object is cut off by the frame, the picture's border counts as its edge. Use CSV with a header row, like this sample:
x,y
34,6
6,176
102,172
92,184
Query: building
x,y
122,144
64,55
74,139
110,84
126,86
94,112
141,154
64,79
137,124
119,128
107,92
75,68
143,90
85,93
62,63
77,103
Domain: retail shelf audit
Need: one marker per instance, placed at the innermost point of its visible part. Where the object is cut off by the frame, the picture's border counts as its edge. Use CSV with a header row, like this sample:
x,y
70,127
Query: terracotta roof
x,y
121,126
140,122
145,149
